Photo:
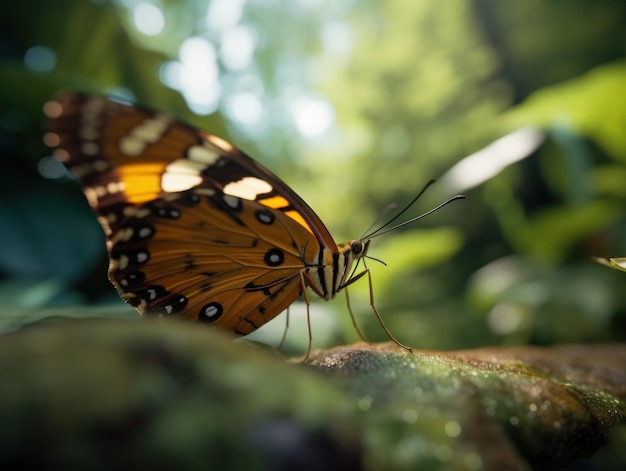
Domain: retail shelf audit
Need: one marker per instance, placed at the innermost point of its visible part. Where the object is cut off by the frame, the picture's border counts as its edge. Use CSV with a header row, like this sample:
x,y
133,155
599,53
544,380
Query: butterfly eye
x,y
359,248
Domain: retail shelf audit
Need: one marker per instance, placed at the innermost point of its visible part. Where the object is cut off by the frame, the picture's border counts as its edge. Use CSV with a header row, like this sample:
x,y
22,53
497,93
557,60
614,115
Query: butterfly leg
x,y
380,319
308,316
356,326
282,339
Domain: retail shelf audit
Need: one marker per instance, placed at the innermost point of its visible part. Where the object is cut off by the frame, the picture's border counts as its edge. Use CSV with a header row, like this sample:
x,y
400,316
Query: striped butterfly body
x,y
195,228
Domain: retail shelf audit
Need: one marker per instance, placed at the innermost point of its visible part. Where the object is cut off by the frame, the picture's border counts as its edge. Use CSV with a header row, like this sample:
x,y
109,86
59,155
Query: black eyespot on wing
x,y
265,217
211,312
274,258
139,257
150,293
165,212
132,279
176,305
231,203
165,302
144,232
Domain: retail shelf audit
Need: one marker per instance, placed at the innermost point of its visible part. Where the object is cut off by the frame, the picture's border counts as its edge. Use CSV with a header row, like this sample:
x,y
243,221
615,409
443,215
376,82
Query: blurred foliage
x,y
413,88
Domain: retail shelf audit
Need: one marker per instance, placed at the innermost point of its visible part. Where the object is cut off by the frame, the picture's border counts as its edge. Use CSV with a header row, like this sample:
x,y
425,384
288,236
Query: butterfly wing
x,y
195,227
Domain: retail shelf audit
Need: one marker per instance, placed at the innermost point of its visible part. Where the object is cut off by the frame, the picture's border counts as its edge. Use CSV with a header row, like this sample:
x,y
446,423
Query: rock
x,y
161,394
494,408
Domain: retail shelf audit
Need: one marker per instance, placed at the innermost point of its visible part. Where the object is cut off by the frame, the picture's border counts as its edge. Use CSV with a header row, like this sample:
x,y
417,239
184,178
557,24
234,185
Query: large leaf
x,y
593,104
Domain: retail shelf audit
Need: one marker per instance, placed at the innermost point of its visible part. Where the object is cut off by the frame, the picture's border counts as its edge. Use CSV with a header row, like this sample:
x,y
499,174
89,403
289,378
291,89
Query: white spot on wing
x,y
204,154
185,166
220,143
51,139
173,183
100,165
211,311
114,187
92,197
148,132
248,188
124,234
122,262
131,145
53,109
90,148
181,175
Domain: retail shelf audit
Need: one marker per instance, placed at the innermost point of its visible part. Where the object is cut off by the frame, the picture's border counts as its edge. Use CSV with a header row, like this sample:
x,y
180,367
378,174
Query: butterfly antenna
x,y
395,218
390,207
397,226
375,259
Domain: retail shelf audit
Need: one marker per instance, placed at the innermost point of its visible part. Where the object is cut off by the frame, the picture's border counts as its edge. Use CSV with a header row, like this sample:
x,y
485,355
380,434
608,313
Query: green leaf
x,y
594,104
45,231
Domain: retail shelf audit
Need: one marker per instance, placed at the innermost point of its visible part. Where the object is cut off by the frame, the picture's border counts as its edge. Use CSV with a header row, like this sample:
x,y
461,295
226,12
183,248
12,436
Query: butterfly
x,y
195,228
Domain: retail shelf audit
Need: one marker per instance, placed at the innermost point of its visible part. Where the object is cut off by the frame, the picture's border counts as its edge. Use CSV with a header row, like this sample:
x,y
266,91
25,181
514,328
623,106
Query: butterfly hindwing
x,y
201,255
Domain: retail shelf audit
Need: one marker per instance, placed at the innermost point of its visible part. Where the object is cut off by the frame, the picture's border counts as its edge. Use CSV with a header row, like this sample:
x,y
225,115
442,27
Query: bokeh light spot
x,y
223,15
452,429
195,75
148,19
237,48
313,116
40,59
505,318
337,38
245,108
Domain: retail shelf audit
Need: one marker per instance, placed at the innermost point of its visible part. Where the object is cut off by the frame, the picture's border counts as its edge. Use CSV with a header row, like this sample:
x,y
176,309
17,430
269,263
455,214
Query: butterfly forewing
x,y
106,142
195,228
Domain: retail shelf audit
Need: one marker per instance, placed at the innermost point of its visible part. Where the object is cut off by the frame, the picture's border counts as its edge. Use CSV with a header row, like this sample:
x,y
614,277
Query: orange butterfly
x,y
195,228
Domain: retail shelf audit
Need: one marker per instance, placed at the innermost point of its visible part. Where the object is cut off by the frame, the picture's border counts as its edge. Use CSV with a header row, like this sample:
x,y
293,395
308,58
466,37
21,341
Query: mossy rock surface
x,y
112,394
494,408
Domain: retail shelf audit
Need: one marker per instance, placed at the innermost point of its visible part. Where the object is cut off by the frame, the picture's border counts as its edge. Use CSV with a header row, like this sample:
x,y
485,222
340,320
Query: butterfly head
x,y
359,248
